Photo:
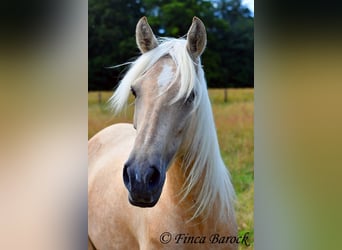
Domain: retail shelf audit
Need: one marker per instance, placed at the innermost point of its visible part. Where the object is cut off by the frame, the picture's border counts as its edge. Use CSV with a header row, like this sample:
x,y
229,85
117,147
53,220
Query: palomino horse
x,y
161,182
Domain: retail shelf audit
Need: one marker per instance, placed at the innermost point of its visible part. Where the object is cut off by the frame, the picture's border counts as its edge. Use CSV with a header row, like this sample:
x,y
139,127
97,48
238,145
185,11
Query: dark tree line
x,y
228,59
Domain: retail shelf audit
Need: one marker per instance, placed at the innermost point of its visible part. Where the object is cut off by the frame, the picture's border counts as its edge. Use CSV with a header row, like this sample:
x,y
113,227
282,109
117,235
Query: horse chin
x,y
142,203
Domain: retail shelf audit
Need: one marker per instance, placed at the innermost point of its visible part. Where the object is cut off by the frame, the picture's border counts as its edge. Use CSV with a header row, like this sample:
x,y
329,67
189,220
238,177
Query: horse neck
x,y
201,172
176,178
176,181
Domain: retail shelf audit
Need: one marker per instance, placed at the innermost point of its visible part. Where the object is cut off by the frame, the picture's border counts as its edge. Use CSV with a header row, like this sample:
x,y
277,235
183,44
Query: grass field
x,y
234,122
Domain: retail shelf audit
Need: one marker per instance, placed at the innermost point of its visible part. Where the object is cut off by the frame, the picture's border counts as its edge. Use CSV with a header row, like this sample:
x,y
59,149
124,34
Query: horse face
x,y
161,121
161,124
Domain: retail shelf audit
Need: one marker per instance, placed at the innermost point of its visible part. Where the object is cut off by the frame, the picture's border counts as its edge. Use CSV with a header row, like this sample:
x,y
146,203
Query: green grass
x,y
234,121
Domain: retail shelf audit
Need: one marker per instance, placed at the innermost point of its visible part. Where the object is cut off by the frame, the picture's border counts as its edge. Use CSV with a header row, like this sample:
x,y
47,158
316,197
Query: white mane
x,y
203,160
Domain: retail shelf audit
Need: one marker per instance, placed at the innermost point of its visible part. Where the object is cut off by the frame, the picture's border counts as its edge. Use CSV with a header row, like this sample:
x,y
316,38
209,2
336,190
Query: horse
x,y
161,183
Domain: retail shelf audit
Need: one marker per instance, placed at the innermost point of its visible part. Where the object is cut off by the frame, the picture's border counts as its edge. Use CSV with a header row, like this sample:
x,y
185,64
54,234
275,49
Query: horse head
x,y
164,106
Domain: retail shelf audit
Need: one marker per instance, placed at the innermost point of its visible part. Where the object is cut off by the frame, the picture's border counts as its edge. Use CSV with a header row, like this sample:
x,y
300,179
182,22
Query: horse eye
x,y
133,92
191,97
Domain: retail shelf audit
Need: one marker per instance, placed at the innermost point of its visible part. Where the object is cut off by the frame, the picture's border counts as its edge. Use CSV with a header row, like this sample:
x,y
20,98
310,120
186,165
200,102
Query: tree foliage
x,y
228,59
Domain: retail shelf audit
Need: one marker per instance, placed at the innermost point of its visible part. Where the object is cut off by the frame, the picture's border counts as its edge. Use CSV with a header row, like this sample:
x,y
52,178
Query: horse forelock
x,y
186,71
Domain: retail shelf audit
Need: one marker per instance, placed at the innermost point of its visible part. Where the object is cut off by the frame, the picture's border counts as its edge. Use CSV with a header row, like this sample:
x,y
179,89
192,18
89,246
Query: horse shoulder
x,y
107,151
110,142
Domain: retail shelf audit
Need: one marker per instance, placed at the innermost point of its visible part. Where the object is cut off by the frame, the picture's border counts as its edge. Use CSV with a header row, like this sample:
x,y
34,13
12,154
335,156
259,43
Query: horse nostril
x,y
125,176
153,176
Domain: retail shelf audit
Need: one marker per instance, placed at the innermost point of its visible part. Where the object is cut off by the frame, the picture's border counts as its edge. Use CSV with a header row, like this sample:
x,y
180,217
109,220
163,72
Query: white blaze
x,y
165,76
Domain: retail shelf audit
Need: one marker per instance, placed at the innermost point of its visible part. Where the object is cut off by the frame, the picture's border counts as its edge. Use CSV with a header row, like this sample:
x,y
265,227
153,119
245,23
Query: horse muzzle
x,y
144,183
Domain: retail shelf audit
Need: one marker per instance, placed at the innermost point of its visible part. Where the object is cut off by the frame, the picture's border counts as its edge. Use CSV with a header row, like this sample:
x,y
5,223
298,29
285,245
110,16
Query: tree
x,y
228,59
111,39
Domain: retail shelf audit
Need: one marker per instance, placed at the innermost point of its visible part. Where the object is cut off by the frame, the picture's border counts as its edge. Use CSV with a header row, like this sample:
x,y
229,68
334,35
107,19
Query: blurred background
x,y
43,124
228,59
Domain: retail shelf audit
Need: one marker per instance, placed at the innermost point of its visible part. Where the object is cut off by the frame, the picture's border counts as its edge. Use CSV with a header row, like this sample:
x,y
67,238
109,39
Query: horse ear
x,y
196,38
144,36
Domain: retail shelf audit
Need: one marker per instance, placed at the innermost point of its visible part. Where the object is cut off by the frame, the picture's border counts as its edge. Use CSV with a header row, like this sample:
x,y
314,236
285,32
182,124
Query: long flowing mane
x,y
206,171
